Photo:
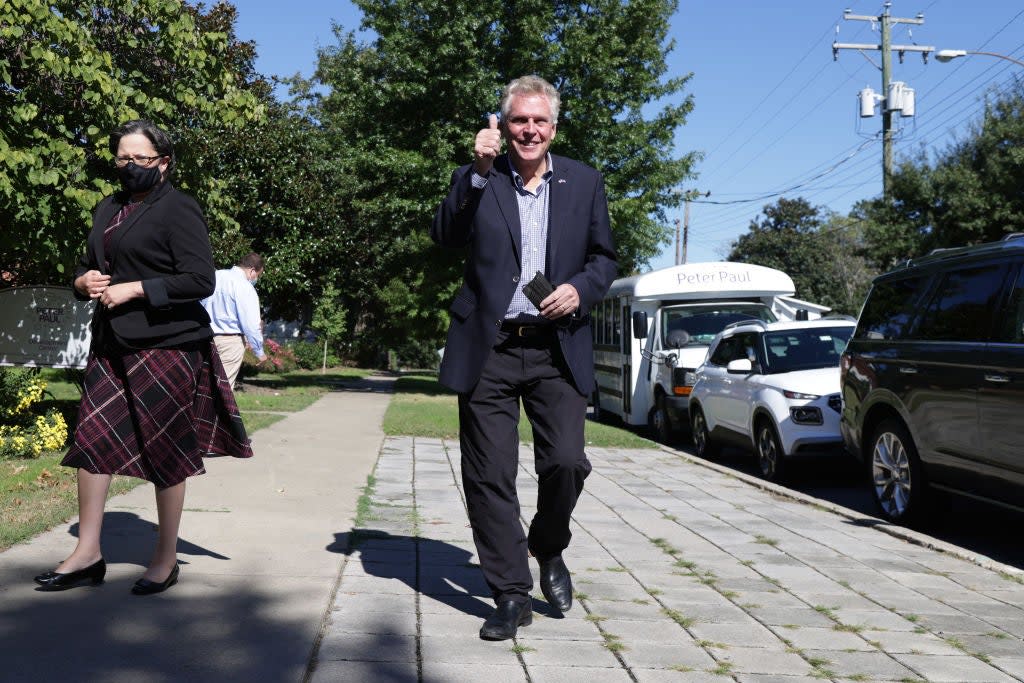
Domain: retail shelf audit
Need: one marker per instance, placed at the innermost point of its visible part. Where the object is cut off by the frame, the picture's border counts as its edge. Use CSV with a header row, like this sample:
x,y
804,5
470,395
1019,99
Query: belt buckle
x,y
522,330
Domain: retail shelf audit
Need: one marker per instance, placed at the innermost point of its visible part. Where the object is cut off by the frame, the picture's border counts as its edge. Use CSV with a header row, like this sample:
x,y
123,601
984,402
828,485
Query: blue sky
x,y
773,111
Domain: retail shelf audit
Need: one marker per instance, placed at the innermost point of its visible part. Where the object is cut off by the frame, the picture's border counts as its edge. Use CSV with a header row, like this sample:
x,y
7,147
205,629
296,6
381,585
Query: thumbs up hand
x,y
487,146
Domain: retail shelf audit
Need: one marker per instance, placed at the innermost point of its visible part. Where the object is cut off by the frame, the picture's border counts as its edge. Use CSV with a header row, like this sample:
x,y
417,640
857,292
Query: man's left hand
x,y
561,302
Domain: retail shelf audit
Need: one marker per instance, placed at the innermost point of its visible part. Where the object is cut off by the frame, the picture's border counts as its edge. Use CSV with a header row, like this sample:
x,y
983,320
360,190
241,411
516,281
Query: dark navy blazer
x,y
486,221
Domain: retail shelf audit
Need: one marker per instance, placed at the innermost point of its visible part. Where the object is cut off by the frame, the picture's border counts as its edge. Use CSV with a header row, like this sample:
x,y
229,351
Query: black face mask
x,y
137,179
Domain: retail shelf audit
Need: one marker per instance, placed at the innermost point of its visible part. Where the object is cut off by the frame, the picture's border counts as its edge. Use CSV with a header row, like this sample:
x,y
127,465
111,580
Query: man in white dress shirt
x,y
234,312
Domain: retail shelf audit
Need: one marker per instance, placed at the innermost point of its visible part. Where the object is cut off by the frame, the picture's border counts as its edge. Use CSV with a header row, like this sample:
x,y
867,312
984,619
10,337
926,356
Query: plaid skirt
x,y
155,413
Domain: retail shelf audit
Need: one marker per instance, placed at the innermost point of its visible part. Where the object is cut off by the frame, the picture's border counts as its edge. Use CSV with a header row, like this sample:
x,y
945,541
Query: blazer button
x,y
497,324
515,279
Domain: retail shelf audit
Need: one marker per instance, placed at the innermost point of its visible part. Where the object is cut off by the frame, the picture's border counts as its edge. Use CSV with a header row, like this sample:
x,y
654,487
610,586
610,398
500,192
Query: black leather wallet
x,y
537,289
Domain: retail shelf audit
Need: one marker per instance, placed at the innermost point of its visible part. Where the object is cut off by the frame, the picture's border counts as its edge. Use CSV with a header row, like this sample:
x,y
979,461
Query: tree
x,y
401,114
819,250
71,73
970,193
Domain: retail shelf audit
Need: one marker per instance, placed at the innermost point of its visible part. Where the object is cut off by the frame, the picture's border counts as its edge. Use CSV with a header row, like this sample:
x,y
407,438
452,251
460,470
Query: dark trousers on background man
x,y
530,368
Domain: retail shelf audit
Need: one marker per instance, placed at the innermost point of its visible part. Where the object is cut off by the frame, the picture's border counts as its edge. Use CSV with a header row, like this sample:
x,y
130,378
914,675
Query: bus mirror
x,y
640,324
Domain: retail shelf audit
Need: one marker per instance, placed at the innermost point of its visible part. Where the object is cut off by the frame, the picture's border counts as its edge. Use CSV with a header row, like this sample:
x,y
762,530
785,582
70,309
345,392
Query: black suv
x,y
933,379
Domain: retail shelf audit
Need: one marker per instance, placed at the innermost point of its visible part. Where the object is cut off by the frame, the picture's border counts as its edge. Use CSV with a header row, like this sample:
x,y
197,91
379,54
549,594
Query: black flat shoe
x,y
55,581
147,587
556,584
504,621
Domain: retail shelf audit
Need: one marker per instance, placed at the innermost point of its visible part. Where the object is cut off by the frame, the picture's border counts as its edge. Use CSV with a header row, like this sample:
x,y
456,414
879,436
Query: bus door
x,y
626,349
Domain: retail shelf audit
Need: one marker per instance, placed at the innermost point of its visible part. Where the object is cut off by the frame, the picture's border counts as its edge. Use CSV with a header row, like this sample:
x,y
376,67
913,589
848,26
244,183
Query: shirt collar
x,y
518,179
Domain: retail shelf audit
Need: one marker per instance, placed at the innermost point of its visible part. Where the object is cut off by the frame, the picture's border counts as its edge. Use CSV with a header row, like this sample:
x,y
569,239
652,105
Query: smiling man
x,y
521,214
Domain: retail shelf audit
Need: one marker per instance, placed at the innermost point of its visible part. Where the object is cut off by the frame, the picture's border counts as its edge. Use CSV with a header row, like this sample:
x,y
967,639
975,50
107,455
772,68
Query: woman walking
x,y
155,398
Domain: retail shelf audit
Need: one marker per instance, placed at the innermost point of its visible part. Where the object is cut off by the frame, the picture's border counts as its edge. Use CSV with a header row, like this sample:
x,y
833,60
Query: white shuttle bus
x,y
652,331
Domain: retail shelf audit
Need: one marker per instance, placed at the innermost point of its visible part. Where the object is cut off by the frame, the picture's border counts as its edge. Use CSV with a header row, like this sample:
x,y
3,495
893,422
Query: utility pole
x,y
688,196
677,234
886,22
686,227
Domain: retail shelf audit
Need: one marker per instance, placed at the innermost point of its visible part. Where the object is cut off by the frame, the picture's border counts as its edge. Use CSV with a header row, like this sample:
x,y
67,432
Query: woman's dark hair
x,y
160,139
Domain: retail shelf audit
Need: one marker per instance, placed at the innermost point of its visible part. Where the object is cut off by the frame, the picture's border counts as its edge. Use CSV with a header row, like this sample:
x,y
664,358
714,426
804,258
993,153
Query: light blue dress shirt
x,y
234,308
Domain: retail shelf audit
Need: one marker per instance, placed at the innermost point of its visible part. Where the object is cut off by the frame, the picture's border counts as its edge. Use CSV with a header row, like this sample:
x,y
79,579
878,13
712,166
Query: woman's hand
x,y
92,283
120,293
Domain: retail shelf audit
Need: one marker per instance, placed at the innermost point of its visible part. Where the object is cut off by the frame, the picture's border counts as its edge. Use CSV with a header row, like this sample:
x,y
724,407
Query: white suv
x,y
773,387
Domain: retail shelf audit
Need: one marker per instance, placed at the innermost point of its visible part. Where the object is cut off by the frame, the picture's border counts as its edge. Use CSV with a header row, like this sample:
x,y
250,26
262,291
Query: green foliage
x,y
310,355
819,250
71,73
399,114
970,193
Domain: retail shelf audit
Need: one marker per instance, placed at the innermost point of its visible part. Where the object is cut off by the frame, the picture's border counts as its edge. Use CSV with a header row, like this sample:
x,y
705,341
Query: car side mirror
x,y
740,366
640,324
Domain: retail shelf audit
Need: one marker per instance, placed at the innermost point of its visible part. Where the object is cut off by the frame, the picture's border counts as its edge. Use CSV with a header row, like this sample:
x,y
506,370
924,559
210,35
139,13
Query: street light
x,y
950,55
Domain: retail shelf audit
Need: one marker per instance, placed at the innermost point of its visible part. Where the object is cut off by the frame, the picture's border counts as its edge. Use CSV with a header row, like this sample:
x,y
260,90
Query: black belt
x,y
526,329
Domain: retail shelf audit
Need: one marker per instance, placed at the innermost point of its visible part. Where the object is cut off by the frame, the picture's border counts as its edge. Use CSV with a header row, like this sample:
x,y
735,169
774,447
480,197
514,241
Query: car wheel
x,y
896,478
770,456
702,442
659,423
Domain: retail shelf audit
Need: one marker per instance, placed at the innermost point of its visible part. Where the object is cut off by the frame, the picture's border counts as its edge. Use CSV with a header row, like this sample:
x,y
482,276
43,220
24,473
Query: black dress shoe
x,y
504,621
555,583
147,587
55,581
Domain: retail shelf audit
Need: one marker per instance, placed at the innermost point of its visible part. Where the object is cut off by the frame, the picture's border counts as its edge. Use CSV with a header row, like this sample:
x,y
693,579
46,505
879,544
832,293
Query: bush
x,y
279,359
24,434
310,355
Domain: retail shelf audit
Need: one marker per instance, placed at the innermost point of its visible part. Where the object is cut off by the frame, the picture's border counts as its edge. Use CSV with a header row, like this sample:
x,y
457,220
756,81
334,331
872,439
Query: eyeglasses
x,y
138,160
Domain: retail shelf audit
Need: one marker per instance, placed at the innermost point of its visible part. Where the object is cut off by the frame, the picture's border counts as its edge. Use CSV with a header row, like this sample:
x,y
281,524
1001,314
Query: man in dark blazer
x,y
518,214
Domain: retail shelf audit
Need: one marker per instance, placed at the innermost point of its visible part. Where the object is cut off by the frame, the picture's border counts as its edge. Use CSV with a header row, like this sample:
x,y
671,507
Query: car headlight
x,y
797,394
806,415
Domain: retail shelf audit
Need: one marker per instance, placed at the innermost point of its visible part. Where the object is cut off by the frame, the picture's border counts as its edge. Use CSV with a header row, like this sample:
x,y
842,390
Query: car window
x,y
723,353
962,305
1011,320
889,309
702,323
805,349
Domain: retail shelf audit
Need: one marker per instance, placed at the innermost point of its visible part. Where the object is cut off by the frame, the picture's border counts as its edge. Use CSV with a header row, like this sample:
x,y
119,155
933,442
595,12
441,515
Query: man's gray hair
x,y
531,85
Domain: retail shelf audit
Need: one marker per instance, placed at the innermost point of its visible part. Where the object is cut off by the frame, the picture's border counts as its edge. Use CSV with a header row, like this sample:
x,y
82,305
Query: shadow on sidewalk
x,y
433,568
205,630
129,539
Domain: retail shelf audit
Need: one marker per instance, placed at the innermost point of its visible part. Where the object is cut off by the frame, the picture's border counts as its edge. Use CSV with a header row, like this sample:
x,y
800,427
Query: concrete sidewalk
x,y
684,571
258,564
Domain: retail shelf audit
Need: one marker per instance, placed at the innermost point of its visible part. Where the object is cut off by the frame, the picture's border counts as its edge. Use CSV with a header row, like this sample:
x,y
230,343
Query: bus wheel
x,y
659,424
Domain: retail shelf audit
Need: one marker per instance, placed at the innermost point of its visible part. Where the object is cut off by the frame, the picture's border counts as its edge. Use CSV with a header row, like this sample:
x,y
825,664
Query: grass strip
x,y
422,407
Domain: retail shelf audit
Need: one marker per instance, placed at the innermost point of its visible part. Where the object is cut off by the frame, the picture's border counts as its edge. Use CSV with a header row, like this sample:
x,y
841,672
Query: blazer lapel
x,y
127,225
558,210
505,193
133,219
99,225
